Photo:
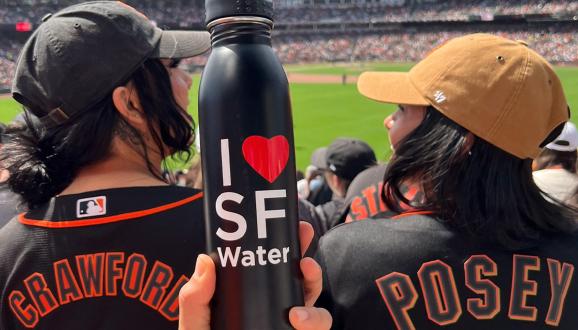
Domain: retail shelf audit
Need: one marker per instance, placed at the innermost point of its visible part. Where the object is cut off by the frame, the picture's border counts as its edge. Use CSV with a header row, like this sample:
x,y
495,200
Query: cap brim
x,y
390,87
182,44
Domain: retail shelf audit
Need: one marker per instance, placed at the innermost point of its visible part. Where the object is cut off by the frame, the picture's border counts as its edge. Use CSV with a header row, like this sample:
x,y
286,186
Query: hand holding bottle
x,y
195,296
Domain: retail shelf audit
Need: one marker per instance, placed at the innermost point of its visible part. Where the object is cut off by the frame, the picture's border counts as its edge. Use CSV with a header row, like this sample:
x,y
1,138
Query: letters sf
x,y
231,256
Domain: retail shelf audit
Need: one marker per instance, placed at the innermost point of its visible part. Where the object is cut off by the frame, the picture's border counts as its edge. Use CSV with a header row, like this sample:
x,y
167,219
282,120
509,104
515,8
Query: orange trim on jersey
x,y
106,220
406,214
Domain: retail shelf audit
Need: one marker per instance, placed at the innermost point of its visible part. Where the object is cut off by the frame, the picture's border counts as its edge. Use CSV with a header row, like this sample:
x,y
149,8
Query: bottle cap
x,y
215,9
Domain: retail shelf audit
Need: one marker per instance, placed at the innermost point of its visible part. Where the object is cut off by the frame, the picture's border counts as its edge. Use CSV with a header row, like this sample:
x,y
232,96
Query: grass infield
x,y
322,112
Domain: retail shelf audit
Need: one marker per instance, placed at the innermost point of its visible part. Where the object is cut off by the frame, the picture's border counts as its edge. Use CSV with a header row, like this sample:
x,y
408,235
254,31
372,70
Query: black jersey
x,y
414,273
108,259
363,199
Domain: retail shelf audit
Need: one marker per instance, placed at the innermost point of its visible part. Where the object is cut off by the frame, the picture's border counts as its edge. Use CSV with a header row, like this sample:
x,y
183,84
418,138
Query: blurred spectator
x,y
555,168
314,188
345,158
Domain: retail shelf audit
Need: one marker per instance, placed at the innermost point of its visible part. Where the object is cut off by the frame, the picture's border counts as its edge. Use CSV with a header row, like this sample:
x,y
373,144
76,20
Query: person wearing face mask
x,y
344,159
483,248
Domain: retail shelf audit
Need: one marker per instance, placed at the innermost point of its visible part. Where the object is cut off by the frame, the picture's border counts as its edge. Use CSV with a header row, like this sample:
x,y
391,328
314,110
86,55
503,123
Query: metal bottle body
x,y
249,180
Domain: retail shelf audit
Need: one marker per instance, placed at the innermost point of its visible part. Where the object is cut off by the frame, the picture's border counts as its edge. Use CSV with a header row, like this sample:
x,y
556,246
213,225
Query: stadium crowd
x,y
453,10
558,45
8,54
183,14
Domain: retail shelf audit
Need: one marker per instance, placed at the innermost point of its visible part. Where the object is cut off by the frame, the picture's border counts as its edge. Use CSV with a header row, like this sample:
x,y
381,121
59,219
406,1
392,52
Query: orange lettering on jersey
x,y
440,293
399,296
156,286
476,267
560,279
28,315
91,272
522,287
134,274
40,293
66,284
170,307
369,194
98,274
113,272
358,209
382,206
411,193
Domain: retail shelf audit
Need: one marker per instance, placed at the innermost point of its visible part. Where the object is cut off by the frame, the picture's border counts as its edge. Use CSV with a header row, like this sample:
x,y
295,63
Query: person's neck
x,y
123,168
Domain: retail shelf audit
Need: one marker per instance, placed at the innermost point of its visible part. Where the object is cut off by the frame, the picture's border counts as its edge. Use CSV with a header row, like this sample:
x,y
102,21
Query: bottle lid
x,y
215,9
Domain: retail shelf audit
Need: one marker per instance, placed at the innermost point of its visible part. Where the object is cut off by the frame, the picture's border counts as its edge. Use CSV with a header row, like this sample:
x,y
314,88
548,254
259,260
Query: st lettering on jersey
x,y
94,275
442,300
369,203
233,255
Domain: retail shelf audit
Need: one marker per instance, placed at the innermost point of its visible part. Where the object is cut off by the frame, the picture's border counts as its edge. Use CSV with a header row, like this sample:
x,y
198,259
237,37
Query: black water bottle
x,y
248,163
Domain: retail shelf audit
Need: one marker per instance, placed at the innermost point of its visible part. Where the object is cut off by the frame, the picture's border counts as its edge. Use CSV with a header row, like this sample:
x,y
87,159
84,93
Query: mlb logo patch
x,y
89,207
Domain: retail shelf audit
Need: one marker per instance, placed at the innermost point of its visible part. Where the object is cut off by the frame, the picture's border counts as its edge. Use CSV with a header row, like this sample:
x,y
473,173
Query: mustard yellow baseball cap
x,y
498,89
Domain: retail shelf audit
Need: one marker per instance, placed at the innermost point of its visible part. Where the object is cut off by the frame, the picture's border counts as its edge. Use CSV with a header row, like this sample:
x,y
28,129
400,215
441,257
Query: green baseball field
x,y
324,108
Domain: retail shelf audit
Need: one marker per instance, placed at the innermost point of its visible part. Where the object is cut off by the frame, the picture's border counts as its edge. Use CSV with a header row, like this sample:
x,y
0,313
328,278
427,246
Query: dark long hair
x,y
485,192
43,161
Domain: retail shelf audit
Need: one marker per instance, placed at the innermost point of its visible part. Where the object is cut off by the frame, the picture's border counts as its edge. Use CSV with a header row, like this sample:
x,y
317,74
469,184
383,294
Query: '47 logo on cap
x,y
89,207
439,96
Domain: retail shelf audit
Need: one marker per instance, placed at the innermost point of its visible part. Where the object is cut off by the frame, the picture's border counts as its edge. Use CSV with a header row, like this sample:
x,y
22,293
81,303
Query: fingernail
x,y
200,268
302,314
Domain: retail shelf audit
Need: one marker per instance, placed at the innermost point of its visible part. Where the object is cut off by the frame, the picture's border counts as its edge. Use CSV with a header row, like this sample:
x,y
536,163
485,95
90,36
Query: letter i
x,y
226,163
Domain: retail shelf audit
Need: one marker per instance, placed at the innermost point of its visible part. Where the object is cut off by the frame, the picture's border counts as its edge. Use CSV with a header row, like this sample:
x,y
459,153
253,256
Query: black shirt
x,y
413,272
109,259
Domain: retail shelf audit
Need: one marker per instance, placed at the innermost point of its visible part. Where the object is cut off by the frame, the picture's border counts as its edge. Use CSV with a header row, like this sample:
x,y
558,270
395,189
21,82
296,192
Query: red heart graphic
x,y
268,157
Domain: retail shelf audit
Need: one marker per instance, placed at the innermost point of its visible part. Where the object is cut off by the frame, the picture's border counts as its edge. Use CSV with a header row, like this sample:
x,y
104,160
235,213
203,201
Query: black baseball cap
x,y
318,158
81,53
347,157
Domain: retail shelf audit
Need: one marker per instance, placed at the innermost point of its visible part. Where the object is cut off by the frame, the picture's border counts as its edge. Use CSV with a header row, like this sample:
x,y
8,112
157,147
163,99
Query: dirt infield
x,y
303,78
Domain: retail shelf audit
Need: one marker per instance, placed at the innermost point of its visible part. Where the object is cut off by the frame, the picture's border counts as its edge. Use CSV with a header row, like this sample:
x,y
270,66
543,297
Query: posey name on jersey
x,y
442,299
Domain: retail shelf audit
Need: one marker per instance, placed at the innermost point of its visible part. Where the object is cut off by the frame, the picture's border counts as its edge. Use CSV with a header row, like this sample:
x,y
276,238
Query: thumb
x,y
196,294
310,318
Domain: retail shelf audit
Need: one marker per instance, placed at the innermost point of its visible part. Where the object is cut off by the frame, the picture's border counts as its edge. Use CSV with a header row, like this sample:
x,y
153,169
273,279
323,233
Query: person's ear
x,y
127,103
332,180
